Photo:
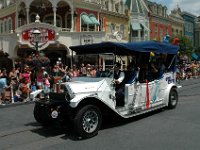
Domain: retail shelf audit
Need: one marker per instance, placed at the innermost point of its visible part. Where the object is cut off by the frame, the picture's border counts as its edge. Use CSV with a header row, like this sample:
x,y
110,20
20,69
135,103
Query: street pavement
x,y
176,129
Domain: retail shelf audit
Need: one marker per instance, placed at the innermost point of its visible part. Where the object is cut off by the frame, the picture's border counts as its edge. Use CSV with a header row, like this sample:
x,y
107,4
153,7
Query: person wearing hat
x,y
118,79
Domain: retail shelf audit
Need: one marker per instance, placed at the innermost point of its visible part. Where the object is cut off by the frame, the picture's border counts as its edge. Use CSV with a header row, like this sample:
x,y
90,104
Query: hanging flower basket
x,y
37,60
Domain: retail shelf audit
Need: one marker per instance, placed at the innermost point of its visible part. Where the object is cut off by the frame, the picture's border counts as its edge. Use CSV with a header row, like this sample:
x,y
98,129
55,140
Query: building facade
x,y
64,23
61,23
189,25
177,22
138,20
159,21
114,20
197,34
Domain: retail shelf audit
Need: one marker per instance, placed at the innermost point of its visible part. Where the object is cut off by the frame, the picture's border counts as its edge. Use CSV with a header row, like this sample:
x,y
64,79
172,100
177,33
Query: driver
x,y
118,74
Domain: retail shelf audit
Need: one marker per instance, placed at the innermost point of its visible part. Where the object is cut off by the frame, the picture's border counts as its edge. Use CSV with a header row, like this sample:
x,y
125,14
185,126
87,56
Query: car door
x,y
142,95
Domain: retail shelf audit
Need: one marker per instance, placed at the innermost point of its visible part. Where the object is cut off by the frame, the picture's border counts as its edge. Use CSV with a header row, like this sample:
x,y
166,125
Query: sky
x,y
191,6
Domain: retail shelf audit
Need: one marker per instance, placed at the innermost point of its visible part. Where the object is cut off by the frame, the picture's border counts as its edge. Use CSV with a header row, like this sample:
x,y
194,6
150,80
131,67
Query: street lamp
x,y
36,36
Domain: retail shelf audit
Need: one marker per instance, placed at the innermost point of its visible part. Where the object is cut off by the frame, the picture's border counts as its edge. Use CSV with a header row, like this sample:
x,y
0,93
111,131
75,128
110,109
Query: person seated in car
x,y
154,70
158,67
132,73
119,88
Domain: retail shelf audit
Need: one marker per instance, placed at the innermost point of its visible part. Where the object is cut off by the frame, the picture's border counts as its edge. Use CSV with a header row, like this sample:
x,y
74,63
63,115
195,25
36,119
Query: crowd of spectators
x,y
17,84
186,71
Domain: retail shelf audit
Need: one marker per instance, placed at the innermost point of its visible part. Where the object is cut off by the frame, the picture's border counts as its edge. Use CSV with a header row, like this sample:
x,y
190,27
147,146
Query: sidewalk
x,y
8,101
9,104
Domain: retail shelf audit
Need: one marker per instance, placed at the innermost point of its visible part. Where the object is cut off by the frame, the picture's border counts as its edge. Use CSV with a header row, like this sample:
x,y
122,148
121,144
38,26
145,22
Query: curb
x,y
15,104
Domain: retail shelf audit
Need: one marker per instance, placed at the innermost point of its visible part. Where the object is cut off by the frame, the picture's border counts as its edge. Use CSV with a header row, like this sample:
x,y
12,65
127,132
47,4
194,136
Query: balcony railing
x,y
136,39
65,29
93,1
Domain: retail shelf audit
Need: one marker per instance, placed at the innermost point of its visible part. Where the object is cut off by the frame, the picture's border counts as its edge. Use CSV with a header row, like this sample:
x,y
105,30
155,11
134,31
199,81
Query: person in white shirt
x,y
118,74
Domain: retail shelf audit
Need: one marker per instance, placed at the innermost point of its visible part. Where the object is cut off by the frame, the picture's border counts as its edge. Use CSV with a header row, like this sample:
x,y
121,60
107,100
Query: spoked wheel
x,y
87,121
173,98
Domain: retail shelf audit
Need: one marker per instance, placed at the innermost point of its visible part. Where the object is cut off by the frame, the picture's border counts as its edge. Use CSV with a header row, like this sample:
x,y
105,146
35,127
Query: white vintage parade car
x,y
85,100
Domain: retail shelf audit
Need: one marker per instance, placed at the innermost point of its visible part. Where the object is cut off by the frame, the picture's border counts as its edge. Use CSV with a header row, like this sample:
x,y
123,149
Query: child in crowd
x,y
33,86
46,84
24,89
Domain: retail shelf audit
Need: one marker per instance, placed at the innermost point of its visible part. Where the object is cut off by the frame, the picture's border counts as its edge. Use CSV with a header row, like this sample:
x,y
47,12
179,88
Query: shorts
x,y
46,90
2,90
40,84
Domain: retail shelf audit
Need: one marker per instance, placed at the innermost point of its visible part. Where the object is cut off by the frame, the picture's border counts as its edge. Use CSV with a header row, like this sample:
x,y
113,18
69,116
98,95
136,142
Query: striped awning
x,y
86,20
145,27
136,26
94,20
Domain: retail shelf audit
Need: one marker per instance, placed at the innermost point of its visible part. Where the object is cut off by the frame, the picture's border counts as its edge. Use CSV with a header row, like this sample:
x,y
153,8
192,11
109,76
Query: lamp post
x,y
36,36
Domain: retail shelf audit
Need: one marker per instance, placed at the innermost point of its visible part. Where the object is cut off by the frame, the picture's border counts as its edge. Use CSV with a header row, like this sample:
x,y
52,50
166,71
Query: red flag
x,y
147,95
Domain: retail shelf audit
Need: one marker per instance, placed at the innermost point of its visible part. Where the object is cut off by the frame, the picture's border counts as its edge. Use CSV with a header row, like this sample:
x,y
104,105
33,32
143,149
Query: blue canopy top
x,y
126,48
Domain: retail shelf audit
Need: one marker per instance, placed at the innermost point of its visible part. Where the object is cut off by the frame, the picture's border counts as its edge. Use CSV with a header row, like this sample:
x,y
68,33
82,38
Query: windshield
x,y
92,66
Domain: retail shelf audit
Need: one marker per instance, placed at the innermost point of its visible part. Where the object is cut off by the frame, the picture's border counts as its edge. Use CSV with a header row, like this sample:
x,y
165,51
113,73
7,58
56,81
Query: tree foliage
x,y
185,45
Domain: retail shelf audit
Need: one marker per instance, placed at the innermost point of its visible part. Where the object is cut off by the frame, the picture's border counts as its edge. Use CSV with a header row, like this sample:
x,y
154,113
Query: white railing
x,y
65,29
92,1
133,39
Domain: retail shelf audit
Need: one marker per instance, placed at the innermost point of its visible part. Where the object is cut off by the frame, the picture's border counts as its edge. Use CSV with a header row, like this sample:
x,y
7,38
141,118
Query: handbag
x,y
56,79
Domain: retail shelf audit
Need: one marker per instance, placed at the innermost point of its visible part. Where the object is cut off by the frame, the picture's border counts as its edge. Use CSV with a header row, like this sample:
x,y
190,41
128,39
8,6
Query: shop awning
x,y
145,27
94,20
86,19
136,26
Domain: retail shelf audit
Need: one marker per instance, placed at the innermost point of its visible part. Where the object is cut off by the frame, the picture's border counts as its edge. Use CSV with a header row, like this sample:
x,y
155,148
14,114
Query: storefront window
x,y
5,26
10,25
1,27
68,21
91,27
122,30
19,22
112,28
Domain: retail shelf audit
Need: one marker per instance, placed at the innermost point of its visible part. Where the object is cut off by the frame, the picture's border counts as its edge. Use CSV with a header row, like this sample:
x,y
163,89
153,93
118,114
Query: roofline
x,y
188,13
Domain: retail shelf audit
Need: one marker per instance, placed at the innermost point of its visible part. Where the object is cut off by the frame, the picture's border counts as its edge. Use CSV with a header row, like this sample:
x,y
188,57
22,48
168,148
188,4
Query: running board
x,y
127,114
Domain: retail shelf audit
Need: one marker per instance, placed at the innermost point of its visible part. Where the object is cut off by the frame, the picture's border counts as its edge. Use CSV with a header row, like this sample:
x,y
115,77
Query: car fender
x,y
35,93
80,97
91,98
77,99
167,91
